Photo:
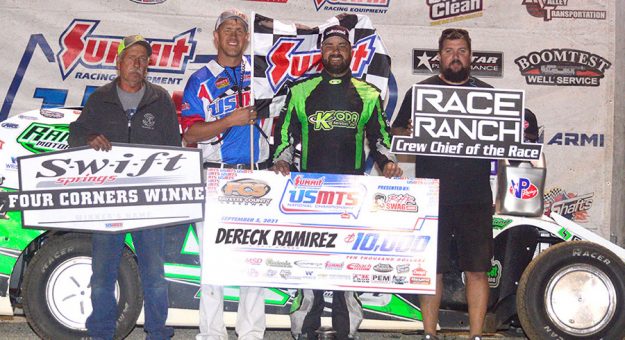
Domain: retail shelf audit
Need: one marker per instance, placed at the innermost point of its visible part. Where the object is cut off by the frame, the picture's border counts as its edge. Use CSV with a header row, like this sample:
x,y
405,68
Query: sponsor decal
x,y
494,274
11,166
501,223
562,67
312,195
287,63
252,272
277,263
51,114
353,6
334,265
522,188
383,268
483,64
381,278
39,138
220,106
395,202
419,272
25,117
446,11
255,261
148,2
328,120
285,274
222,82
578,139
570,205
245,191
80,46
271,273
8,125
558,9
567,235
1,144
308,264
359,266
402,268
399,280
420,280
361,278
273,1
309,274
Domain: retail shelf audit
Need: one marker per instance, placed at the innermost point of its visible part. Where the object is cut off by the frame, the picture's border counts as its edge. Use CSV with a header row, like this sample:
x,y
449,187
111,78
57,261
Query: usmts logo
x,y
286,63
445,11
523,189
562,67
39,138
79,46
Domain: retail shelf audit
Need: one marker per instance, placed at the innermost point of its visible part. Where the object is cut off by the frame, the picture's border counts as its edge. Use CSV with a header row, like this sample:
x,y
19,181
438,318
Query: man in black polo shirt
x,y
465,203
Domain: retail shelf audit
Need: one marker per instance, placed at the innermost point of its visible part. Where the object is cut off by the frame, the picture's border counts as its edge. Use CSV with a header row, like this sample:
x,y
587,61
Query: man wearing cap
x,y
217,116
329,114
128,110
465,201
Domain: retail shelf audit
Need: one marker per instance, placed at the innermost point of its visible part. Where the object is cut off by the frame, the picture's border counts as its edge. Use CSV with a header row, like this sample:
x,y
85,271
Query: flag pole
x,y
252,24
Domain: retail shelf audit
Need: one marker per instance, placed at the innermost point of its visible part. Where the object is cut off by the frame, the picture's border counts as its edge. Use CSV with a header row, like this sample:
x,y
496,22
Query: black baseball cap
x,y
133,40
336,31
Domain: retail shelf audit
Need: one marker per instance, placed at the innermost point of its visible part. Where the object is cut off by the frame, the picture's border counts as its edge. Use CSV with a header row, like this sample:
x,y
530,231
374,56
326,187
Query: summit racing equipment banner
x,y
127,188
467,122
322,231
285,53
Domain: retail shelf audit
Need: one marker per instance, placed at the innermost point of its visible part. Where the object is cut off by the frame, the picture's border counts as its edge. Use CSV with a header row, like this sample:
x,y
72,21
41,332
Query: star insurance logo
x,y
80,46
483,64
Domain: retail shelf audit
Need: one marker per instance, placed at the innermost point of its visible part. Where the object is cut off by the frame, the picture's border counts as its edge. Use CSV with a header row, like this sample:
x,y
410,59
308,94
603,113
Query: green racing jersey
x,y
331,117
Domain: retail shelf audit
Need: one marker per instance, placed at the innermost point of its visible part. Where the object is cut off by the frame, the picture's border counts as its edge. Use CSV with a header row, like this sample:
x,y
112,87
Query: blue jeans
x,y
107,251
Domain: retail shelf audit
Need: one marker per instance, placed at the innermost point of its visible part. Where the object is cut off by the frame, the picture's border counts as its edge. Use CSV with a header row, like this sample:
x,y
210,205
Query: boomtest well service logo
x,y
562,67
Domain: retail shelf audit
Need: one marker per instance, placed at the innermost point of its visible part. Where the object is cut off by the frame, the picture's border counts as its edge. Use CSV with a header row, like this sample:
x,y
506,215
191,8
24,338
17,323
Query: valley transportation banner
x,y
322,231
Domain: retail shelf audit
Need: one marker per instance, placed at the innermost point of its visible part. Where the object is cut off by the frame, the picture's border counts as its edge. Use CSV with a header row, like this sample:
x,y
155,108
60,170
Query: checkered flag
x,y
554,195
284,53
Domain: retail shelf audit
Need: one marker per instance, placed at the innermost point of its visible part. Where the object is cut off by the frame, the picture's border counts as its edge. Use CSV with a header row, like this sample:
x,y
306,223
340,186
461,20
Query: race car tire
x,y
57,291
573,290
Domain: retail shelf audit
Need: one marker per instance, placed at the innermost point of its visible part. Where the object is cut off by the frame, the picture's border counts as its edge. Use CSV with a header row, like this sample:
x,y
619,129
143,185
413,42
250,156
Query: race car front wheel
x,y
57,291
573,290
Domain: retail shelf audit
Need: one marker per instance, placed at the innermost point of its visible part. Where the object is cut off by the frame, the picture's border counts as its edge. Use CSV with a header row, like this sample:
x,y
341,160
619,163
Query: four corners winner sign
x,y
128,188
467,122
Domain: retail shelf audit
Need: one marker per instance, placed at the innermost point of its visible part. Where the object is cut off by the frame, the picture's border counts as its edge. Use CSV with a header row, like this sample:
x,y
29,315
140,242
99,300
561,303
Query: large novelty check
x,y
324,231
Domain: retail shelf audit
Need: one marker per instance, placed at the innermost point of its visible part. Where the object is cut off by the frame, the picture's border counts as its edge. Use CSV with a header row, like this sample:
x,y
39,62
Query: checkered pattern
x,y
266,35
554,195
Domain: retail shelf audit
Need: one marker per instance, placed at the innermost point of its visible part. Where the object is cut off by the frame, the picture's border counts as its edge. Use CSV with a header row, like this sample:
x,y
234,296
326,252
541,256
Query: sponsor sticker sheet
x,y
322,231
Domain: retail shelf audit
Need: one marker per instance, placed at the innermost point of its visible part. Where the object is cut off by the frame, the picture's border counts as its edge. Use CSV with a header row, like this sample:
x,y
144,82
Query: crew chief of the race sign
x,y
337,148
465,201
217,116
128,110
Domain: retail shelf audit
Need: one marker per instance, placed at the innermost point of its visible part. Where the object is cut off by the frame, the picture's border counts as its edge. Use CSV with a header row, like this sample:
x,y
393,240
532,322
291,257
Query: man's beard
x,y
456,76
336,69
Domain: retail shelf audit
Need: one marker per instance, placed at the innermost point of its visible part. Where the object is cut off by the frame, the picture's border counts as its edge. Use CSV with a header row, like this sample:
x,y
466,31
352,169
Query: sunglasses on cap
x,y
460,31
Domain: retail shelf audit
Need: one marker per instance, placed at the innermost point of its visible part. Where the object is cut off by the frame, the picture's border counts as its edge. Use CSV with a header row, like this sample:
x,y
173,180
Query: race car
x,y
550,276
